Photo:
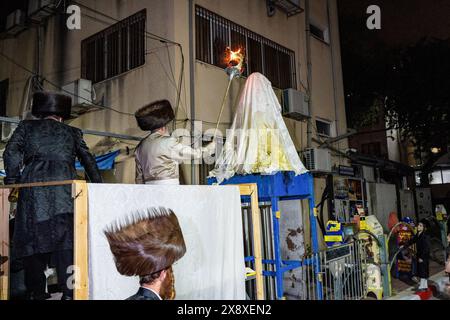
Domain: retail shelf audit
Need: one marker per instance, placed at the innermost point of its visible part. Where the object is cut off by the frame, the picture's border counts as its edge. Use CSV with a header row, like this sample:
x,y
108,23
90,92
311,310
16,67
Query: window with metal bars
x,y
213,34
115,50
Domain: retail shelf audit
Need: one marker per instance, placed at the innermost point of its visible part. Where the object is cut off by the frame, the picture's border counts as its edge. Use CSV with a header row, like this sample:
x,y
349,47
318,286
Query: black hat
x,y
154,115
50,103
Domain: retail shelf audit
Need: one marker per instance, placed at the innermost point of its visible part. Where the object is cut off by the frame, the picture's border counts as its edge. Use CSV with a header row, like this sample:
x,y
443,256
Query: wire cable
x,y
154,37
60,88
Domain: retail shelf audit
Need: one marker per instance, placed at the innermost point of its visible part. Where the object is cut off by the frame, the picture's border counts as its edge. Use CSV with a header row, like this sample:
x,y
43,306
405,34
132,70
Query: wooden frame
x,y
4,243
251,190
81,272
81,247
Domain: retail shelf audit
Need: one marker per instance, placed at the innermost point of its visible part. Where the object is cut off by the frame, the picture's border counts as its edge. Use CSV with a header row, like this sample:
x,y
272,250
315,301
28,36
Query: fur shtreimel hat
x,y
154,115
146,243
50,103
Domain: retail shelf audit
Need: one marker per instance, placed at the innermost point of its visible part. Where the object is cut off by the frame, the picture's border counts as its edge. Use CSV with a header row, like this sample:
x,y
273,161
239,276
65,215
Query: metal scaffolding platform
x,y
274,188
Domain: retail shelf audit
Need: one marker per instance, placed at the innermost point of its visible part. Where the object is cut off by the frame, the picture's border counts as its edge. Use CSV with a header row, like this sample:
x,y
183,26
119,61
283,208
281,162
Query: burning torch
x,y
234,69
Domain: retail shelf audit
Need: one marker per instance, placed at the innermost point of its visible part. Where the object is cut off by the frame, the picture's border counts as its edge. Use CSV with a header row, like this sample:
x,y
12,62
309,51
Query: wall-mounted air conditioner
x,y
15,22
8,129
82,94
80,90
317,160
41,9
295,104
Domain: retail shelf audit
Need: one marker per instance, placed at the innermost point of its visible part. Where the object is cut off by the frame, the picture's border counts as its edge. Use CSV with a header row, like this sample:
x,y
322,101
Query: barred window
x,y
115,50
214,33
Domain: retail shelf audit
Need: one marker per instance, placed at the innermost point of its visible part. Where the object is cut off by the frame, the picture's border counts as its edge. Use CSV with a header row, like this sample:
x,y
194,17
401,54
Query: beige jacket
x,y
158,157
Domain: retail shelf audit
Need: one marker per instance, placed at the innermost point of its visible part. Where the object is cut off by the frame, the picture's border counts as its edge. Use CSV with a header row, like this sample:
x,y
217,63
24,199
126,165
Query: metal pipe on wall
x,y
192,81
333,66
309,75
85,131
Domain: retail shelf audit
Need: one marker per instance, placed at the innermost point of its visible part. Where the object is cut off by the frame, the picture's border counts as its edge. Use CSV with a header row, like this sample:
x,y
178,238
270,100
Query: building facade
x,y
138,51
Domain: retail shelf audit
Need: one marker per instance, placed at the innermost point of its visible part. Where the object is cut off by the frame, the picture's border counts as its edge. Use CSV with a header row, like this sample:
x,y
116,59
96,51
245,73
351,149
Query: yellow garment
x,y
270,152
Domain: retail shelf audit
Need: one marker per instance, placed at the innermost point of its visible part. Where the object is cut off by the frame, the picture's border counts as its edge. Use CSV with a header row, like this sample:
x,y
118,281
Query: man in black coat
x,y
422,241
146,246
40,151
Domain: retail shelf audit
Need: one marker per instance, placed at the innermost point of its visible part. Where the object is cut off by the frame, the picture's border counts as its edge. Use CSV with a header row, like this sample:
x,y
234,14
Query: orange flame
x,y
235,58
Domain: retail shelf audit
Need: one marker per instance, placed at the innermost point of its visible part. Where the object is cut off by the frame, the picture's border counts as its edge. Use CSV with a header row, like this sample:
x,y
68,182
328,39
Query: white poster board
x,y
211,220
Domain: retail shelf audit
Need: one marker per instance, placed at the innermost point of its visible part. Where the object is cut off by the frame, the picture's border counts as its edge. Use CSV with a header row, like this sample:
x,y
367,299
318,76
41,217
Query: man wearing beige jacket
x,y
158,156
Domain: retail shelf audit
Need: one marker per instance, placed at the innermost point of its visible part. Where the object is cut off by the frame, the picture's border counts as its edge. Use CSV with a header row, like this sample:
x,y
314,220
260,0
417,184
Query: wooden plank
x,y
39,184
252,191
245,189
80,195
4,243
256,224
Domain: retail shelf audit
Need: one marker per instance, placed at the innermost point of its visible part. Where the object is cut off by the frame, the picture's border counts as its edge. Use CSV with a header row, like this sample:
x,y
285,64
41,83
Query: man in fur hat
x,y
158,156
45,150
146,246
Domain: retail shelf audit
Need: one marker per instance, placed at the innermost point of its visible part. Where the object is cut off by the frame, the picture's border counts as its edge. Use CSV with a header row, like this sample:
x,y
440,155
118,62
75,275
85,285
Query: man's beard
x,y
167,291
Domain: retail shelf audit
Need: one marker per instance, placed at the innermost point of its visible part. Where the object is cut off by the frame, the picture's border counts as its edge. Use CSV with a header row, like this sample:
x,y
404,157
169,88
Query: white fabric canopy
x,y
210,218
258,140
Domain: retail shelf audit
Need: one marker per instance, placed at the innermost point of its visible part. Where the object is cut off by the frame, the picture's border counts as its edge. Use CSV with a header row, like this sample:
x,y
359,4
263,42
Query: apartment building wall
x,y
159,76
61,64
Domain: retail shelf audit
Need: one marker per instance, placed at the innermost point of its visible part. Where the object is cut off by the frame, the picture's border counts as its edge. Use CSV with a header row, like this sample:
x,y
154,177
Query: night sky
x,y
402,69
403,22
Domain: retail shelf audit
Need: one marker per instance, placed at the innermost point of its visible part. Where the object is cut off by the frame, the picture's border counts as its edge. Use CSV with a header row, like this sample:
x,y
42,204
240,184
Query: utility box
x,y
15,22
318,160
407,203
295,105
368,173
424,204
382,201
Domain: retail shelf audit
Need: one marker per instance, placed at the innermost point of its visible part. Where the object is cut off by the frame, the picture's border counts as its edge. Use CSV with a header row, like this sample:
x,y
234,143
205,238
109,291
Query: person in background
x,y
45,150
447,261
422,241
147,245
158,156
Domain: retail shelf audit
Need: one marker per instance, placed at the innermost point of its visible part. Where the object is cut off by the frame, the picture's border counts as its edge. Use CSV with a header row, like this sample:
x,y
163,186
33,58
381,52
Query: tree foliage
x,y
418,95
410,85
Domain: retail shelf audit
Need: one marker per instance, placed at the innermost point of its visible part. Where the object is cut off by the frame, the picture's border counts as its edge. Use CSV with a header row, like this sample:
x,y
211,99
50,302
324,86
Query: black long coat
x,y
46,151
422,242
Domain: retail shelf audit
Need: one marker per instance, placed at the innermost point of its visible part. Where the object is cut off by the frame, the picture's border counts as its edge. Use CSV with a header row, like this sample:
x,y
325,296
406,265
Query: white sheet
x,y
211,221
258,140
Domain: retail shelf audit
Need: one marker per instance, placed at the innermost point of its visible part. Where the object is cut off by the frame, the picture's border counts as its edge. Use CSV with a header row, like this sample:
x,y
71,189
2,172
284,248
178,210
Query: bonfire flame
x,y
235,63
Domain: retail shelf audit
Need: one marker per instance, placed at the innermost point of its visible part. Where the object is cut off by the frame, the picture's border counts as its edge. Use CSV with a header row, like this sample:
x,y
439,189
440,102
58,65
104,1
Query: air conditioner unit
x,y
80,90
317,160
290,7
15,22
41,9
295,104
8,129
